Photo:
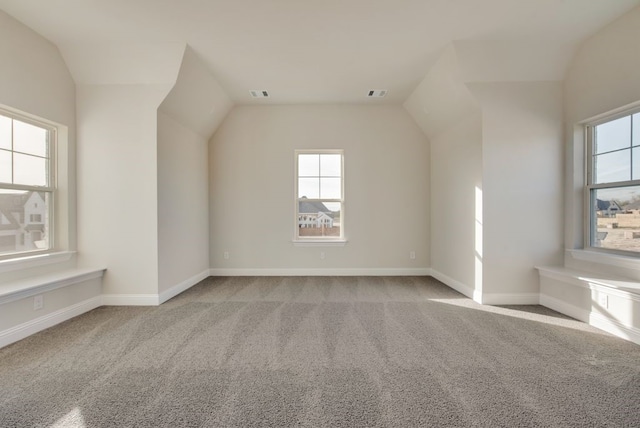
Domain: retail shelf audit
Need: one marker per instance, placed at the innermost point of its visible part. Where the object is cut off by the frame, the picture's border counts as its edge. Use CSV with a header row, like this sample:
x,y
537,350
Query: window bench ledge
x,y
613,284
20,289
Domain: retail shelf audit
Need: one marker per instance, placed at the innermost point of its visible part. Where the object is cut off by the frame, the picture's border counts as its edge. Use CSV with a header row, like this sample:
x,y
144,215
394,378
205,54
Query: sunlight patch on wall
x,y
477,292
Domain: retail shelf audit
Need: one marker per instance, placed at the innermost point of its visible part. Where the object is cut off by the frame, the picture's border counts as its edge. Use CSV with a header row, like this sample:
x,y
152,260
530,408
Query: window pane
x,y
309,188
5,132
24,221
330,165
612,167
5,166
29,139
317,219
636,130
308,165
29,170
613,135
330,188
616,218
636,163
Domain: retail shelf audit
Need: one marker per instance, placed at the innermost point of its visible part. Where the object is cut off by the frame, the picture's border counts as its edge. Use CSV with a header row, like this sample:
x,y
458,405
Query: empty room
x,y
347,213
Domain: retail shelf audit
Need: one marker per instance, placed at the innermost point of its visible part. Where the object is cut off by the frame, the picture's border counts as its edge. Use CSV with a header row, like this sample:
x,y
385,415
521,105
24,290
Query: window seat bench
x,y
22,288
608,302
33,304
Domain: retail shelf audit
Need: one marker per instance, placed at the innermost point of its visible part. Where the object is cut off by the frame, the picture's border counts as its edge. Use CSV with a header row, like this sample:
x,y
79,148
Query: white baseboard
x,y
153,299
457,285
487,298
321,272
183,286
592,318
511,299
130,299
28,328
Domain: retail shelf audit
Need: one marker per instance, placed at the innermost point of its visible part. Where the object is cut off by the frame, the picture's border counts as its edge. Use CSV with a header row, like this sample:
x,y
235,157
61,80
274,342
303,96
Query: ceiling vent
x,y
377,93
259,94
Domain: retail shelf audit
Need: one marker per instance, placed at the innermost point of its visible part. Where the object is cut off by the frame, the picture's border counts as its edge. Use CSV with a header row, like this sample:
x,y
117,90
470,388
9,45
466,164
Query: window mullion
x,y
631,148
13,169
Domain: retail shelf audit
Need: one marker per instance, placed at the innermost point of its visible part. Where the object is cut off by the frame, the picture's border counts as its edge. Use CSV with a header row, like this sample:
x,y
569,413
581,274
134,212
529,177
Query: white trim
x,y
610,259
511,299
36,260
487,298
610,284
319,242
28,328
21,289
460,287
296,228
321,272
130,299
183,286
592,318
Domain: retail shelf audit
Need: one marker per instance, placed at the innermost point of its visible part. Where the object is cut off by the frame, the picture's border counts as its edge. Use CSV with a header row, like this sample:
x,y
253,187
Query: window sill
x,y
36,260
319,243
616,260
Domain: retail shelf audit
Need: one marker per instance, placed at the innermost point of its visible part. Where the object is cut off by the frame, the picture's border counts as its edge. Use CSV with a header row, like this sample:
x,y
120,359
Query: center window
x,y
319,195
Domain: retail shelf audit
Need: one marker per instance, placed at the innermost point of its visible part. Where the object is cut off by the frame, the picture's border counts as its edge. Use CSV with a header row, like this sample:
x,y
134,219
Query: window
x,y
319,195
613,183
26,184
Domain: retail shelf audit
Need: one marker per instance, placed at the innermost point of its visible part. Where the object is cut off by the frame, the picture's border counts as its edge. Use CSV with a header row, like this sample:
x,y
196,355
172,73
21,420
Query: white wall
x,y
183,203
251,169
33,76
197,100
35,80
456,177
451,118
522,158
602,77
496,158
117,184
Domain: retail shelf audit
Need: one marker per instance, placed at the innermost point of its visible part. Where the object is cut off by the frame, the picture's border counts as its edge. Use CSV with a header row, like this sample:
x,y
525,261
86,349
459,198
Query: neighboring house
x,y
22,221
314,215
607,208
633,206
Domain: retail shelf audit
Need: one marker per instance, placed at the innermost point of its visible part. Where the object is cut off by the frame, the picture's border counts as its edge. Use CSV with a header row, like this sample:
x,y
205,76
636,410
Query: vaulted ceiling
x,y
329,51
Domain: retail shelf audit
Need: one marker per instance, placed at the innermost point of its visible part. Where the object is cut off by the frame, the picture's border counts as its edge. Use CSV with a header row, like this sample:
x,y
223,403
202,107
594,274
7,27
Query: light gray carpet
x,y
310,351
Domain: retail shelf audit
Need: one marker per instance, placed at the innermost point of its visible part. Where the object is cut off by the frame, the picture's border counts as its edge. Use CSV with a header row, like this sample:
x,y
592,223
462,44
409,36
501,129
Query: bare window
x,y
613,183
26,184
319,195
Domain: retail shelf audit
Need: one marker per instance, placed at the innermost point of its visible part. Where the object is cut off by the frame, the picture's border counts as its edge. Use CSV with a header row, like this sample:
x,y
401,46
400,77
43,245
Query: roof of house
x,y
605,205
313,207
635,205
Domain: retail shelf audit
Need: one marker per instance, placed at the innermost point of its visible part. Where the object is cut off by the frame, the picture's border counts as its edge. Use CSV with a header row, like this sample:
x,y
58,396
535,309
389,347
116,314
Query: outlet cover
x,y
38,302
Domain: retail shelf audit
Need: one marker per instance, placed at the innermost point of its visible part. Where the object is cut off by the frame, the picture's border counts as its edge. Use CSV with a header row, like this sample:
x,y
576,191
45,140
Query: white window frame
x,y
589,212
297,239
50,189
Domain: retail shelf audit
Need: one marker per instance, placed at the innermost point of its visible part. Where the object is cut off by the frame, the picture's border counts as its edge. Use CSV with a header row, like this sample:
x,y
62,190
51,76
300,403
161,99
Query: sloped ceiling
x,y
331,51
196,100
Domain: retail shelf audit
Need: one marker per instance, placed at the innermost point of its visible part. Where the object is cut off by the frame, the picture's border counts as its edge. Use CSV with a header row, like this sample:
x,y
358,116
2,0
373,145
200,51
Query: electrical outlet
x,y
321,255
38,302
226,255
603,301
412,255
